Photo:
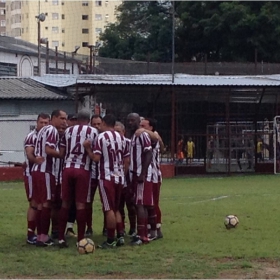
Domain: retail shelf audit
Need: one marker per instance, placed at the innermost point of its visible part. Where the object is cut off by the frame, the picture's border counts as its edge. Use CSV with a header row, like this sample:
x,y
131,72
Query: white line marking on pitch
x,y
212,199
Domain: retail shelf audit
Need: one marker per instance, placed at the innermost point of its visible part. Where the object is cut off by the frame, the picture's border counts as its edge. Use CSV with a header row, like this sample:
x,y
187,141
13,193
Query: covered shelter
x,y
234,111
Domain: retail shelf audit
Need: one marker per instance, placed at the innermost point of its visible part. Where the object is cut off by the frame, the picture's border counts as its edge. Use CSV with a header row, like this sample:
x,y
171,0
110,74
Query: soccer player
x,y
157,144
76,174
140,177
29,145
95,122
43,174
120,128
72,120
112,153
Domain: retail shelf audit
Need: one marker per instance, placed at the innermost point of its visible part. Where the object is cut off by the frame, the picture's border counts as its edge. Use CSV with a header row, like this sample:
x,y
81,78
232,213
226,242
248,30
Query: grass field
x,y
195,244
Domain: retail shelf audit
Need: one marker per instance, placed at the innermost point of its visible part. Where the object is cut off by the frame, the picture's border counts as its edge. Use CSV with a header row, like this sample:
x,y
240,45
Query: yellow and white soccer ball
x,y
86,246
231,221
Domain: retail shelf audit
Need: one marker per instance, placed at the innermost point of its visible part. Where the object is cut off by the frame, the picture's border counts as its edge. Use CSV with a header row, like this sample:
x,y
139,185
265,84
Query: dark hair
x,y
110,120
55,113
43,116
152,122
95,117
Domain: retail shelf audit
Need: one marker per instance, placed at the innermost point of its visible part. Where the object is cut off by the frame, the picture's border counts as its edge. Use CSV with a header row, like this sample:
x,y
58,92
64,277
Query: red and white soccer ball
x,y
86,246
231,221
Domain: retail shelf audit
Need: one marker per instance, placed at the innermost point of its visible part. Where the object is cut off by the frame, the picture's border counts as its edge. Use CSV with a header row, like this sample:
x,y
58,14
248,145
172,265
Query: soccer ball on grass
x,y
231,221
86,246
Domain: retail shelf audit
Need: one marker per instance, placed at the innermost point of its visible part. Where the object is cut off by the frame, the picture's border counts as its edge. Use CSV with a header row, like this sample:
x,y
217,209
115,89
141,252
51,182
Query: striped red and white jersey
x,y
156,178
47,136
127,143
94,170
29,141
59,162
139,145
75,153
113,149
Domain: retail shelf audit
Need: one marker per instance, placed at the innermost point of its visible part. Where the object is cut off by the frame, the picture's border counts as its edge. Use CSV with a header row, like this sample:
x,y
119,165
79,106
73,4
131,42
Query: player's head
x,y
95,122
58,119
120,128
83,117
72,119
42,120
149,124
108,122
133,121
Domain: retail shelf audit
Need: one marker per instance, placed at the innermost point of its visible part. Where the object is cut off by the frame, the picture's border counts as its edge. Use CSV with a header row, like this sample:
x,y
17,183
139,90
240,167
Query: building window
x,y
8,69
98,3
2,12
55,44
107,17
84,17
106,3
98,30
22,30
46,28
3,33
85,31
54,15
55,2
55,29
62,16
46,14
84,44
3,23
62,3
84,3
98,17
63,30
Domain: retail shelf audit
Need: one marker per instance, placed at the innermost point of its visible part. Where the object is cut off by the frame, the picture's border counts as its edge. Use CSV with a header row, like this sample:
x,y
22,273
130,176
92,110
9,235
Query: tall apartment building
x,y
68,24
2,18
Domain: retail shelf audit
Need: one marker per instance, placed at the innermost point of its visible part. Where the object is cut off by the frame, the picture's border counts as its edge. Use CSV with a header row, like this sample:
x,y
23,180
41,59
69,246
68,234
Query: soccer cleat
x,y
159,234
136,241
120,241
70,233
132,233
106,245
152,237
47,243
31,240
62,244
89,232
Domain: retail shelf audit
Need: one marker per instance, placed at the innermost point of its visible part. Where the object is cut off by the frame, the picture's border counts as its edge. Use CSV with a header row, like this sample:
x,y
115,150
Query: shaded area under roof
x,y
27,88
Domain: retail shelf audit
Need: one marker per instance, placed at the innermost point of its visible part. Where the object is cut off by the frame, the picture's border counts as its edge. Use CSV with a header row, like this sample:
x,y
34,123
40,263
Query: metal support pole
x,y
39,48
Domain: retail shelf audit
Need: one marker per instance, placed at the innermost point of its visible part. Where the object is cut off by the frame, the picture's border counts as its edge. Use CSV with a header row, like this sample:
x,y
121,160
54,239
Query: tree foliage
x,y
224,31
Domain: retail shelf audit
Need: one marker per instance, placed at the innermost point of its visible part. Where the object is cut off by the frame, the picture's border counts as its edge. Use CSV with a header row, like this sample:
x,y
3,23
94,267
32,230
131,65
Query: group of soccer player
x,y
69,157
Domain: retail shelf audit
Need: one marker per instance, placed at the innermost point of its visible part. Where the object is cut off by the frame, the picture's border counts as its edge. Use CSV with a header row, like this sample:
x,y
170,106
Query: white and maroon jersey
x,y
156,178
139,145
59,162
94,170
47,136
29,141
113,149
75,153
127,143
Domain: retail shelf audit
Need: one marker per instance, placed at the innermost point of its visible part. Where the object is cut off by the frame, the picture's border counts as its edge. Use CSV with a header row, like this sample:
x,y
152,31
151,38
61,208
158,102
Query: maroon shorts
x,y
110,194
75,185
93,188
28,187
43,186
143,193
156,192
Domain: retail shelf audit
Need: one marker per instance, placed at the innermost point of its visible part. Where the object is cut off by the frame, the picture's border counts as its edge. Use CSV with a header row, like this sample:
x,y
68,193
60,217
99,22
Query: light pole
x,y
40,18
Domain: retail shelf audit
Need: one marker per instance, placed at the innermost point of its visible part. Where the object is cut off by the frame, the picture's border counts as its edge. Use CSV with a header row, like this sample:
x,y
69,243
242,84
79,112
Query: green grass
x,y
195,244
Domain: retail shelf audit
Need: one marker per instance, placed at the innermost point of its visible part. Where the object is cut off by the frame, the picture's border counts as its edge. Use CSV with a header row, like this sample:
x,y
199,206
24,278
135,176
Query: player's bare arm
x,y
148,155
31,157
161,144
126,161
153,135
51,151
87,145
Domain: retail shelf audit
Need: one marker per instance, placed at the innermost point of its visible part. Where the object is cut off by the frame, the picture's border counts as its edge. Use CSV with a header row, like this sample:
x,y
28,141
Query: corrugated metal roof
x,y
26,88
161,79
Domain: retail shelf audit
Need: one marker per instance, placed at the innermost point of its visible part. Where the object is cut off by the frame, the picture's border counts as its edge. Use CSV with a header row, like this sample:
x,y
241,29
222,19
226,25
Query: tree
x,y
143,31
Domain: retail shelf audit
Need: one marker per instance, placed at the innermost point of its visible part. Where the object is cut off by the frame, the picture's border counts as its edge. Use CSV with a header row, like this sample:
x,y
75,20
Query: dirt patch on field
x,y
255,269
